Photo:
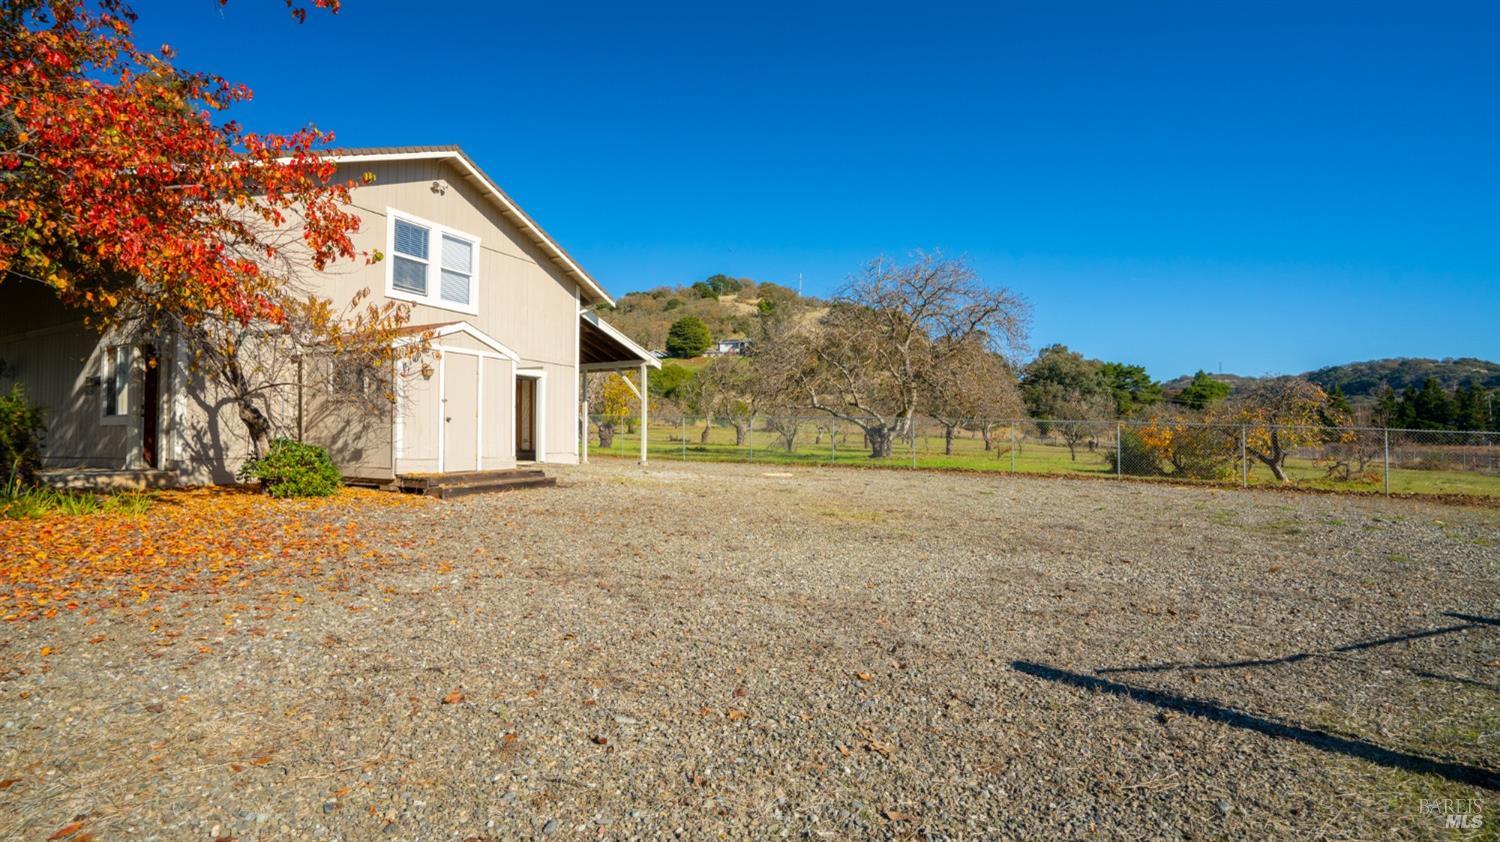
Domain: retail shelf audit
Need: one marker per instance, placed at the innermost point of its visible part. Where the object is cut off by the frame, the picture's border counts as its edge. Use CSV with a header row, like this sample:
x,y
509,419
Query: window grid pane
x,y
411,240
455,287
409,275
458,255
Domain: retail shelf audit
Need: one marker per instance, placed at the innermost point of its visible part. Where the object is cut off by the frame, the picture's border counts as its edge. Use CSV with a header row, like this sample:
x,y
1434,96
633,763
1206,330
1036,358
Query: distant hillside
x,y
1235,381
727,305
1366,379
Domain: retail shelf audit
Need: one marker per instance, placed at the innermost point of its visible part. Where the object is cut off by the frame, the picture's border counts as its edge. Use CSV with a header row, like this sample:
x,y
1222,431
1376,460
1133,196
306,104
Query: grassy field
x,y
675,441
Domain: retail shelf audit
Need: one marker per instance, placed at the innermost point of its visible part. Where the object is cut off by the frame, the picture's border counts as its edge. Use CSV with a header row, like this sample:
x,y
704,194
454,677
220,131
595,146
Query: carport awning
x,y
602,347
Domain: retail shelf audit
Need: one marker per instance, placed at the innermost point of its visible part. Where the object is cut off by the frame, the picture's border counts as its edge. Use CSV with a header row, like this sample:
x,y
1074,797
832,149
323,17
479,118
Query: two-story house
x,y
508,307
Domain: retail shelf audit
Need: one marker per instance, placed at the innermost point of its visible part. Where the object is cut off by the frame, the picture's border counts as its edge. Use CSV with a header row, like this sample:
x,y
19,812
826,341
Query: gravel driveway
x,y
740,651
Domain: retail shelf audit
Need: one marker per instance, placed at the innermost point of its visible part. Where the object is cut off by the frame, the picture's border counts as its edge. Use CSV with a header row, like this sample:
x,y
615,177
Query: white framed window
x,y
114,381
431,264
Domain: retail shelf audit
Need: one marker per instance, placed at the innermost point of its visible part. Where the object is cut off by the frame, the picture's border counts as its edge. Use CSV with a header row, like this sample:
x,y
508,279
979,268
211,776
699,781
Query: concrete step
x,y
105,480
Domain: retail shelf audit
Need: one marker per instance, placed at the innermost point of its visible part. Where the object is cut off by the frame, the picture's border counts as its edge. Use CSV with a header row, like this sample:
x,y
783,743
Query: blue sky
x,y
1263,187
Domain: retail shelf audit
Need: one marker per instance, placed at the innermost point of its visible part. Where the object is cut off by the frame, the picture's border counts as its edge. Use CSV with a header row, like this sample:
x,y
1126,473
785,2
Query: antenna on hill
x,y
799,284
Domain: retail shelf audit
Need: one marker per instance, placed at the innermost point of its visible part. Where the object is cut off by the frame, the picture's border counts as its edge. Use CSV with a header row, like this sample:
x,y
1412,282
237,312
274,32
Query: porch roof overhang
x,y
602,347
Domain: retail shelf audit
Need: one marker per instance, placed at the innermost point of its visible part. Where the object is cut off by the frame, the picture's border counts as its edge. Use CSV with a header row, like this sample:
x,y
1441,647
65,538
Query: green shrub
x,y
21,429
1136,458
294,469
1204,453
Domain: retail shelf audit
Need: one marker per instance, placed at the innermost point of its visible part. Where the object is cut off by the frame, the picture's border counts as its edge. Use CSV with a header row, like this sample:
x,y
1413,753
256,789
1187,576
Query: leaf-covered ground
x,y
213,541
730,651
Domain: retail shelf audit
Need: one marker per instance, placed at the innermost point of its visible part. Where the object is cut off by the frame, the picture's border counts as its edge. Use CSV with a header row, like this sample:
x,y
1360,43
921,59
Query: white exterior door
x,y
460,412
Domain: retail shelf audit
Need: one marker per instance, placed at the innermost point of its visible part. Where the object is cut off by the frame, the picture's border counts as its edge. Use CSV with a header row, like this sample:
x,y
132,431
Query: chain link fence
x,y
1355,459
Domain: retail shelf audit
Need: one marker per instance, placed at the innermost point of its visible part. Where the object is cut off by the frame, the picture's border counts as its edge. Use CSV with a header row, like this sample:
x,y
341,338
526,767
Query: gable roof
x,y
440,329
593,291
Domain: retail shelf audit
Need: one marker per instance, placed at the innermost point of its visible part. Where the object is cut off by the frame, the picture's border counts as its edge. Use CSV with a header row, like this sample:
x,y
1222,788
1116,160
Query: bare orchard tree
x,y
866,360
786,428
728,391
1083,416
973,389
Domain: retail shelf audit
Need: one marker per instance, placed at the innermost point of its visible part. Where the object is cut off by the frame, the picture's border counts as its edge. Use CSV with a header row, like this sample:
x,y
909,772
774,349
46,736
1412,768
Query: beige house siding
x,y
521,300
54,364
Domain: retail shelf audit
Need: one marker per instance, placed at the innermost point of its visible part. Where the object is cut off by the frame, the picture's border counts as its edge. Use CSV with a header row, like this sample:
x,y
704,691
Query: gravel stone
x,y
824,653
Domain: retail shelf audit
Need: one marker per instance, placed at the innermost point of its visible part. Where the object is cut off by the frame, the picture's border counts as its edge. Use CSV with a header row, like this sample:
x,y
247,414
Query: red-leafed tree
x,y
123,189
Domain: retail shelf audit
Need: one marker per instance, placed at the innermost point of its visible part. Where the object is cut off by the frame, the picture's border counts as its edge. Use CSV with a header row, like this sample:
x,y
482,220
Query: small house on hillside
x,y
728,346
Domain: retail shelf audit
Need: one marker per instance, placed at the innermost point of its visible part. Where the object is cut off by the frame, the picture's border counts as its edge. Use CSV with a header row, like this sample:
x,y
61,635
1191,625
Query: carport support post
x,y
645,399
583,418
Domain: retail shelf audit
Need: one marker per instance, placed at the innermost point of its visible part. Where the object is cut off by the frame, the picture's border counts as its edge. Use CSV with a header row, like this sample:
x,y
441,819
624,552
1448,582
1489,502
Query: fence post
x,y
684,438
750,438
913,426
833,442
1119,450
1012,448
1244,462
1387,431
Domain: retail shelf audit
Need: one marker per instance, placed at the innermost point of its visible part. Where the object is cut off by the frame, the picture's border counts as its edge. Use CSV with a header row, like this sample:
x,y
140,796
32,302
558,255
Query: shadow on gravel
x,y
1321,740
1470,622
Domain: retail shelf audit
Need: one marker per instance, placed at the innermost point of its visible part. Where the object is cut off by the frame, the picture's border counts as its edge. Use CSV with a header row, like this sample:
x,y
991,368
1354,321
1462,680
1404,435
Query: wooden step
x,y
450,492
464,483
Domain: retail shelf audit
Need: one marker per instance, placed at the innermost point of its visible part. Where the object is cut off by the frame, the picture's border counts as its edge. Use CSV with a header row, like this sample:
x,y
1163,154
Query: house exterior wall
x,y
521,299
53,364
461,417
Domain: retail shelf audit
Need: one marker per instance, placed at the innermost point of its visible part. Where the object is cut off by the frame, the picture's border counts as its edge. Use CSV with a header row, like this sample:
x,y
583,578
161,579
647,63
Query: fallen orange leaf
x,y
65,831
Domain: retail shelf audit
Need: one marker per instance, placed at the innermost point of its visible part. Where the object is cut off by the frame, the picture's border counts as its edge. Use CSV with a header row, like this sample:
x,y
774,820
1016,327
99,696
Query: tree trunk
x,y
707,428
986,433
818,436
947,441
606,435
879,439
1274,460
256,424
740,429
1278,457
1276,469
